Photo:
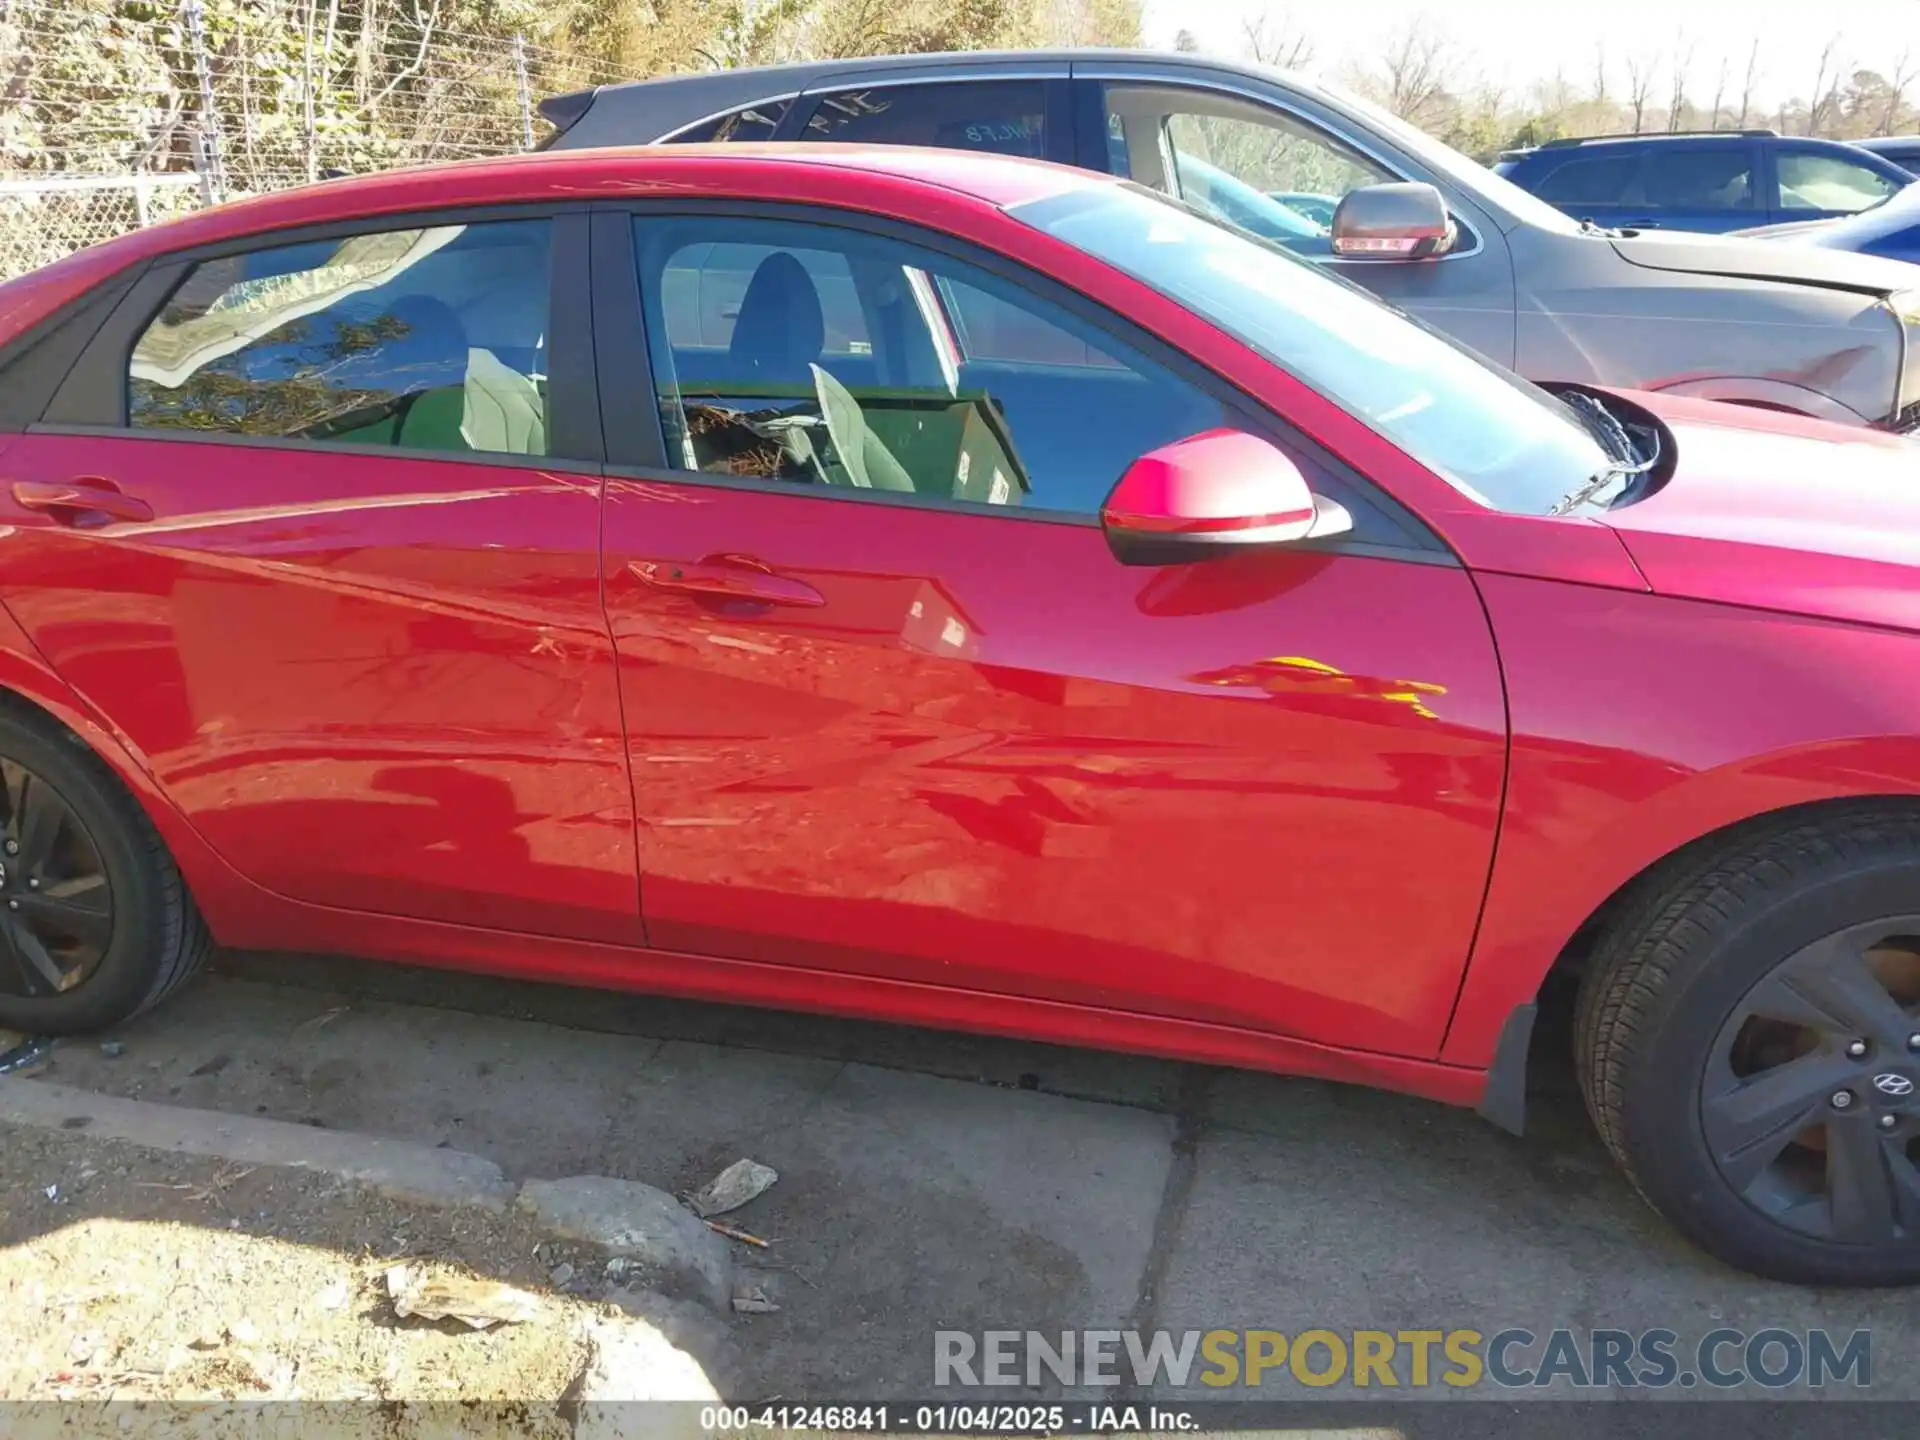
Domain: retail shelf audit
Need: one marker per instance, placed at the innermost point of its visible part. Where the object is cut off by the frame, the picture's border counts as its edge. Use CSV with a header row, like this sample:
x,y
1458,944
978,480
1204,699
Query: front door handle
x,y
71,500
727,577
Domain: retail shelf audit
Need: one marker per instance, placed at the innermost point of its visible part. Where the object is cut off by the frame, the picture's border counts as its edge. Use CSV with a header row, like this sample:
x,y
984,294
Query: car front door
x,y
315,523
1252,158
894,709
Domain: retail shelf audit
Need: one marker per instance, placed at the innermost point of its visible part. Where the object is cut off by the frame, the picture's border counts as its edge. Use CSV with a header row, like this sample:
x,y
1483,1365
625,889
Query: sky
x,y
1514,43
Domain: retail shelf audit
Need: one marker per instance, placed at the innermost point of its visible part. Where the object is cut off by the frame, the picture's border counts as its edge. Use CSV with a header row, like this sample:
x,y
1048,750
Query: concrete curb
x,y
397,1168
671,1249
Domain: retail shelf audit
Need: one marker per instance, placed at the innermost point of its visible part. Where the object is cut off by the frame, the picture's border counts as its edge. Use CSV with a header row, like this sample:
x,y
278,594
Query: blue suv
x,y
1714,181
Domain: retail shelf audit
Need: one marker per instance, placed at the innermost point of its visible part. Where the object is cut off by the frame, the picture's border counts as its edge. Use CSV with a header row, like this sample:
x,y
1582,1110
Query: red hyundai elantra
x,y
957,590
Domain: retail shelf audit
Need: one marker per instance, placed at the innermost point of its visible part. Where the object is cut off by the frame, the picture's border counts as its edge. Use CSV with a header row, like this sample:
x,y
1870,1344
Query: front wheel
x,y
1748,1042
95,922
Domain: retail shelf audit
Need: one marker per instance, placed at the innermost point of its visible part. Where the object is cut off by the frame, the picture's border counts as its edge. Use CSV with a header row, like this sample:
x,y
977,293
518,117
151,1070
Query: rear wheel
x,y
1748,1041
95,922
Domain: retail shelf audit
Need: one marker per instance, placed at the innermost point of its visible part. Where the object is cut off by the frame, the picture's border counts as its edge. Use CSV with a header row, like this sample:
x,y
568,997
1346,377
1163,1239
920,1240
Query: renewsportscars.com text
x,y
1771,1359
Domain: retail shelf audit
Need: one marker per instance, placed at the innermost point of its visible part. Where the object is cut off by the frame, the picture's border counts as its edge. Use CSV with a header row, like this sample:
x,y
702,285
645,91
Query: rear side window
x,y
1007,117
1593,180
752,122
1700,177
421,339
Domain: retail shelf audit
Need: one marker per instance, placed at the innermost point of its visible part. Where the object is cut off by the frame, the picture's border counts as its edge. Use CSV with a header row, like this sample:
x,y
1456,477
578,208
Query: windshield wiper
x,y
1623,463
1605,232
1610,473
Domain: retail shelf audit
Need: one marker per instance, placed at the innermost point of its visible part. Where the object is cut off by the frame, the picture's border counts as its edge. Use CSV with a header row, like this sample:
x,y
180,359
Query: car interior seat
x,y
781,329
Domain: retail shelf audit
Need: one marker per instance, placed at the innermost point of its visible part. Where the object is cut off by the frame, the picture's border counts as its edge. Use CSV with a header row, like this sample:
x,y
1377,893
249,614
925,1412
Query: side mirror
x,y
1402,221
1212,493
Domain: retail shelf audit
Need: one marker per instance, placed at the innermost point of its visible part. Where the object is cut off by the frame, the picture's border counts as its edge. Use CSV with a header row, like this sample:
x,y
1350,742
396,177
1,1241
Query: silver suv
x,y
1329,175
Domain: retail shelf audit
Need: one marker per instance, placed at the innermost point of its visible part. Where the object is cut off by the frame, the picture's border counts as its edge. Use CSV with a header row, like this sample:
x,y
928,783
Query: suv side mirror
x,y
1211,493
1401,221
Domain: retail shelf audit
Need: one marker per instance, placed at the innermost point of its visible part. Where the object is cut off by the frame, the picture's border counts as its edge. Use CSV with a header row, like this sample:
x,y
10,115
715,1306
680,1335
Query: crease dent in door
x,y
1259,792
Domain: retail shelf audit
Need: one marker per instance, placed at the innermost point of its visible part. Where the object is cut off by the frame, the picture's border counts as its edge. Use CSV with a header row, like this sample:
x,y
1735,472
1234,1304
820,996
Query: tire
x,y
154,938
1724,1014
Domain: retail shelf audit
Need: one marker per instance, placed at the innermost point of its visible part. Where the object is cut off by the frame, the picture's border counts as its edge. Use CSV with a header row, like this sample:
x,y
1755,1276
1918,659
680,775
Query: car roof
x,y
649,109
886,178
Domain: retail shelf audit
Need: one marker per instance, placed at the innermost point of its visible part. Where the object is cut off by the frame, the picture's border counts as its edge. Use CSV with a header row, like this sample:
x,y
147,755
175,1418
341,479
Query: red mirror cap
x,y
1212,484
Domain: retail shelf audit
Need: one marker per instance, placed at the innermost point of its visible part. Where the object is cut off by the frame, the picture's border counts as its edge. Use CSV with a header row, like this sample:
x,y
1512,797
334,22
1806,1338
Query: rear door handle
x,y
727,577
69,501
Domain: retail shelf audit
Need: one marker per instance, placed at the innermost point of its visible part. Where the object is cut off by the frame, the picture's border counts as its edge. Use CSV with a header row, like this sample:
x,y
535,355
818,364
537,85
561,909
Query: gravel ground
x,y
128,1274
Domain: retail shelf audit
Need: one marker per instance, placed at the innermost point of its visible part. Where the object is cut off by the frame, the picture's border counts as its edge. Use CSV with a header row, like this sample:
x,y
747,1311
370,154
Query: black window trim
x,y
92,397
643,455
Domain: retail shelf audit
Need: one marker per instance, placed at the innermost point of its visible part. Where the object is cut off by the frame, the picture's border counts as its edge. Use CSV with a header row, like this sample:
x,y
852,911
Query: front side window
x,y
1682,177
963,387
1256,168
1007,117
422,339
1827,182
1496,438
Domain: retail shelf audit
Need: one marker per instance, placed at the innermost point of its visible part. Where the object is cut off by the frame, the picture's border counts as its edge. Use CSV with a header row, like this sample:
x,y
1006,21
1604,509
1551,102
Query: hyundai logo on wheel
x,y
1892,1083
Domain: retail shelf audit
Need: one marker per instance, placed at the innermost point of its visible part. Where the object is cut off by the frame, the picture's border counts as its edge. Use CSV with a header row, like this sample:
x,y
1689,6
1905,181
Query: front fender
x,y
1643,723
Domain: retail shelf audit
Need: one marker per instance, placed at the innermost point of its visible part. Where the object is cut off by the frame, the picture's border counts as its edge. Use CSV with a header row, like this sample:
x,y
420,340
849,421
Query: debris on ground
x,y
561,1274
474,1302
24,1054
750,1299
113,1049
733,1187
733,1232
281,1273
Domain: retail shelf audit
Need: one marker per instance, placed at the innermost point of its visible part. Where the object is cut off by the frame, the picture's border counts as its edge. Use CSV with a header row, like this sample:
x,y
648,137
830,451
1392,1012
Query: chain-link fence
x,y
115,113
43,219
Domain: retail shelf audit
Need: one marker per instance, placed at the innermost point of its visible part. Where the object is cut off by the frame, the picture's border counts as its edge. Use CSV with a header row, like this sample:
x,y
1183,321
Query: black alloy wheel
x,y
56,901
1811,1098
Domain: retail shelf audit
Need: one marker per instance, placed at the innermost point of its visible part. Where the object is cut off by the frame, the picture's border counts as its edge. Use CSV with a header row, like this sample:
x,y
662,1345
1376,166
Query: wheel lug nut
x,y
1857,1048
1842,1099
33,884
13,847
1887,1122
1913,1042
13,904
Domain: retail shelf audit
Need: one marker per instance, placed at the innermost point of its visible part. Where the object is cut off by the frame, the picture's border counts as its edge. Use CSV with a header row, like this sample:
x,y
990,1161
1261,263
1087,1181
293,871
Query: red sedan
x,y
958,590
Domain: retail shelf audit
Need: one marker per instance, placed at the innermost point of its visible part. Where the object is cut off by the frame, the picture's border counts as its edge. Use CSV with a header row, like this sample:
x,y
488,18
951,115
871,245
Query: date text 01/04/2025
x,y
960,1419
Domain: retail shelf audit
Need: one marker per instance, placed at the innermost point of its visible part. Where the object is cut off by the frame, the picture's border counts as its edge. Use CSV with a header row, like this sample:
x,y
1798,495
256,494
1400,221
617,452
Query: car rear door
x,y
1710,186
895,710
314,521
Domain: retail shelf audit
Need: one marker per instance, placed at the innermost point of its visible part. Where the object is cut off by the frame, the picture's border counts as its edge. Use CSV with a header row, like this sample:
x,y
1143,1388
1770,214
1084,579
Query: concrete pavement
x,y
931,1182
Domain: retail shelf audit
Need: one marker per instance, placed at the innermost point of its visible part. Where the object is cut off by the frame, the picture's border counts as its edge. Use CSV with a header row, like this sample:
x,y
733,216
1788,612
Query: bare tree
x,y
1677,96
1826,87
1417,65
1273,39
1719,94
1898,79
1746,86
1641,72
1600,72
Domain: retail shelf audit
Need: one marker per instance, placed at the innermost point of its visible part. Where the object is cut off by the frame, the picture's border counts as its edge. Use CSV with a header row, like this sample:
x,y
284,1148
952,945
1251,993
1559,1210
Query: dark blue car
x,y
1715,182
1891,230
